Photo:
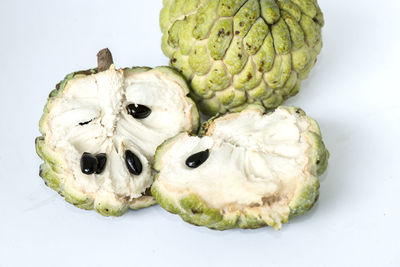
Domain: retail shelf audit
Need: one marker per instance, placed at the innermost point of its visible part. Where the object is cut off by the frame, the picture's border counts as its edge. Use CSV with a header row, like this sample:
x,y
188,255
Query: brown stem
x,y
104,60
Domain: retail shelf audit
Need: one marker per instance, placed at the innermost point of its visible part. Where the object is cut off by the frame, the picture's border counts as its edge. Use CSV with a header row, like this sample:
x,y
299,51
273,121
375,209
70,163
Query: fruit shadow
x,y
337,136
344,35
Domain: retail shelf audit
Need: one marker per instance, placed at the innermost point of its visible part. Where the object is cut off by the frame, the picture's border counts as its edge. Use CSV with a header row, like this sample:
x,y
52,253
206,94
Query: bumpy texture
x,y
87,113
236,52
262,170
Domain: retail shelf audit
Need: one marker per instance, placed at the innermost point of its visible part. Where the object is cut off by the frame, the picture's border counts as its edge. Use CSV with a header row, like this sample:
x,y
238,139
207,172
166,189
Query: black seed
x,y
197,159
88,163
318,162
138,111
101,162
84,123
133,163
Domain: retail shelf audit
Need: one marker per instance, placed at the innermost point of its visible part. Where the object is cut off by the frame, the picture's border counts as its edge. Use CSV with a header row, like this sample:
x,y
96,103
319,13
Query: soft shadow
x,y
343,35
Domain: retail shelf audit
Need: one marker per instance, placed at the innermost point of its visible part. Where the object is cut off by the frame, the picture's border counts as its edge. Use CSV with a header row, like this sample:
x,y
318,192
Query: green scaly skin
x,y
194,210
237,52
52,169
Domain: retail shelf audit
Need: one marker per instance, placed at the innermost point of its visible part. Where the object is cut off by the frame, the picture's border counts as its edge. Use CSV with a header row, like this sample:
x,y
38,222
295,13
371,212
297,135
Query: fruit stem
x,y
104,60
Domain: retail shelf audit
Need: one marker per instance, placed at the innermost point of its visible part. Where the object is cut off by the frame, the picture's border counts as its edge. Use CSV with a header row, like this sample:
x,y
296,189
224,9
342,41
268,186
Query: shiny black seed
x,y
101,162
133,163
197,159
88,163
138,111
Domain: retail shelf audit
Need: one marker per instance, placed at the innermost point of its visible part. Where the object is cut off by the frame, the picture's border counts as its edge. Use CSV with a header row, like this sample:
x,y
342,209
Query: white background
x,y
353,93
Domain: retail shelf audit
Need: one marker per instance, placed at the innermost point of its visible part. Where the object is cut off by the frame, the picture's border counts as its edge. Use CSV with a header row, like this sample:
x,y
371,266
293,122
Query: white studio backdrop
x,y
352,92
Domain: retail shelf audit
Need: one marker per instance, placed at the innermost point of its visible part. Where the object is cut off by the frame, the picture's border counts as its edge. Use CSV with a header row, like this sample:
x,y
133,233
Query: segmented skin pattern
x,y
237,52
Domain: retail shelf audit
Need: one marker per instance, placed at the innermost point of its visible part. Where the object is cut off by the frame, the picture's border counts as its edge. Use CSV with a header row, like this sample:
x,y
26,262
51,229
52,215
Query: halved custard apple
x,y
100,130
248,170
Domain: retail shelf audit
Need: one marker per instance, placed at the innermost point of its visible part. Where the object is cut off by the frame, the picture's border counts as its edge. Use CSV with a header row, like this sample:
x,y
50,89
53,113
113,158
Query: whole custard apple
x,y
100,130
237,52
248,170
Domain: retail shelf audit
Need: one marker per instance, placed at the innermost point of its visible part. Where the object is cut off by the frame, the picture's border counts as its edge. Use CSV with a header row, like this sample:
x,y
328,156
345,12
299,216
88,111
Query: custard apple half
x,y
248,170
101,128
236,52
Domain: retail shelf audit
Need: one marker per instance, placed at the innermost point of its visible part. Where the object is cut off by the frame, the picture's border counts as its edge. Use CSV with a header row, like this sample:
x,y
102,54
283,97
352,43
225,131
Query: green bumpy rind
x,y
236,52
53,164
194,210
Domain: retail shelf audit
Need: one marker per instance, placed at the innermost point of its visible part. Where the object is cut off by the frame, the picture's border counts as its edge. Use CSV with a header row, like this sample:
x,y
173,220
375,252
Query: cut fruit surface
x,y
98,126
261,170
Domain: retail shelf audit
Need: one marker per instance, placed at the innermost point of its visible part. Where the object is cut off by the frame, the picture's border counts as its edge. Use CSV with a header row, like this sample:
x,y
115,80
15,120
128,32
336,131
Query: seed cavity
x,y
138,111
197,159
133,163
101,162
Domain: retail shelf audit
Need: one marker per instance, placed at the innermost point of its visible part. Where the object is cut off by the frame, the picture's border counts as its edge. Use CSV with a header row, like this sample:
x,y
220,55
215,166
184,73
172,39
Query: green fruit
x,y
93,118
236,52
252,169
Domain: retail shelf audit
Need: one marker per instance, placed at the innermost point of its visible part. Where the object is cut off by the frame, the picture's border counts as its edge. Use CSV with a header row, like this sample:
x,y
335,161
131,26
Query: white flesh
x,y
256,161
102,99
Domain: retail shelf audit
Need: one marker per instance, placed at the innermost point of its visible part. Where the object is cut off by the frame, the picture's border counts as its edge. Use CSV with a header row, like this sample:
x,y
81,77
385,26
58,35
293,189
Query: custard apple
x,y
101,128
248,170
237,52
